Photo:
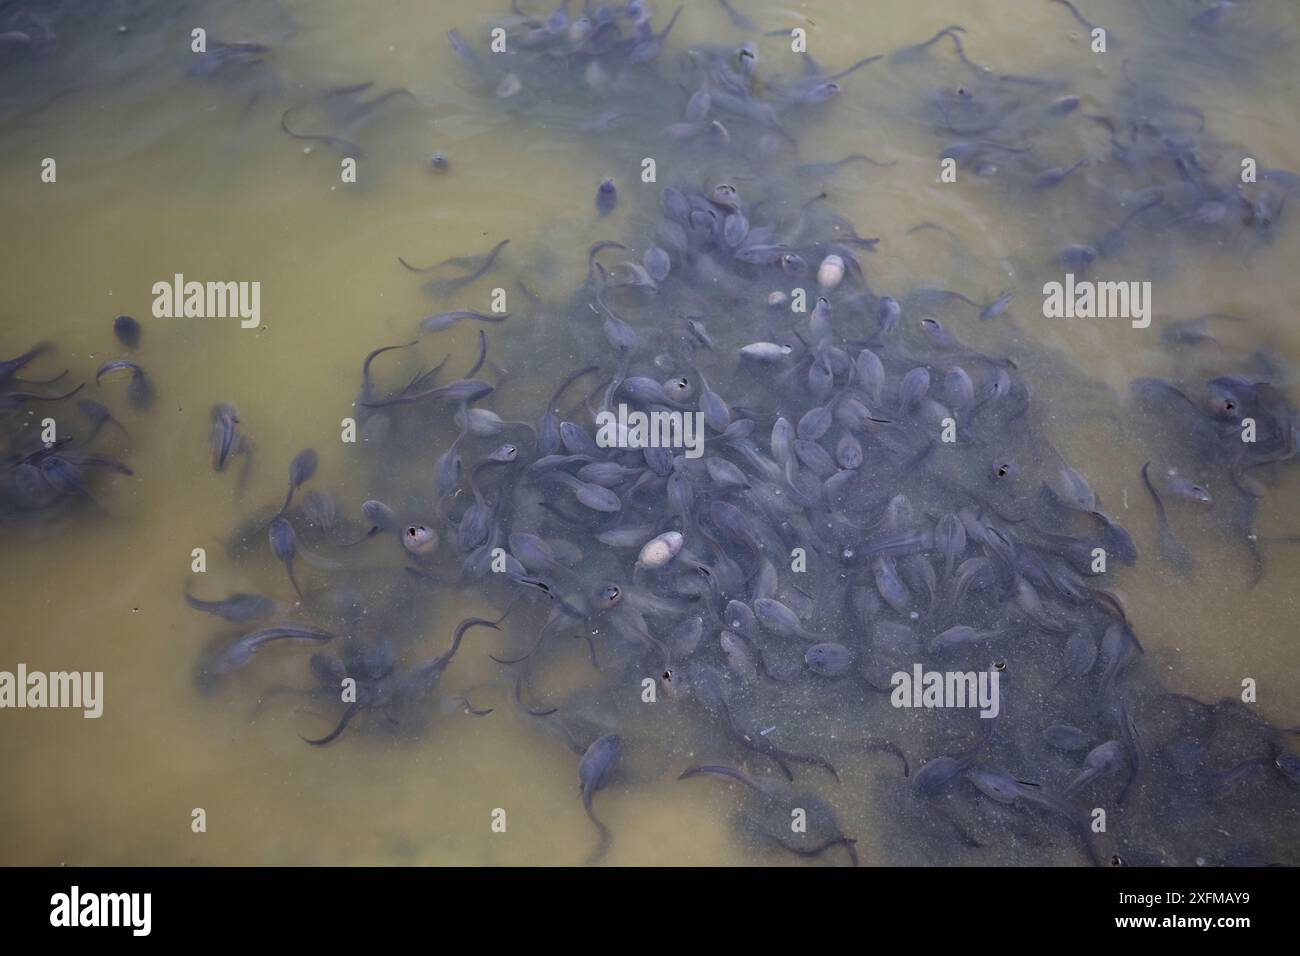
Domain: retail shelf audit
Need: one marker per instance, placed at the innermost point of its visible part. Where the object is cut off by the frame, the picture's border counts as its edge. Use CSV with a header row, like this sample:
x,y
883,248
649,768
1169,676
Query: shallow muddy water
x,y
165,168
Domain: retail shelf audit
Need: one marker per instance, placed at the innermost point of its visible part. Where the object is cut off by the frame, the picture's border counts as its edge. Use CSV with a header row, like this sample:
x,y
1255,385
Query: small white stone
x,y
659,551
509,86
831,272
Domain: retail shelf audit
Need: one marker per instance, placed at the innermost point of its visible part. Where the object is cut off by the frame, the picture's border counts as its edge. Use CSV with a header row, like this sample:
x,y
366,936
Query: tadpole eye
x,y
1002,471
1116,860
999,666
412,531
668,675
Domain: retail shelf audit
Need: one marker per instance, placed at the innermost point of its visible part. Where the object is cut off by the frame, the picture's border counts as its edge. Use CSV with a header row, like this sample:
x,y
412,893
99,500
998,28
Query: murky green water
x,y
160,172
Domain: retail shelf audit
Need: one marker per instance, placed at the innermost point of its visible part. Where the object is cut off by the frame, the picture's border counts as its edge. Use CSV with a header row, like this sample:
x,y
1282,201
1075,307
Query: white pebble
x,y
831,272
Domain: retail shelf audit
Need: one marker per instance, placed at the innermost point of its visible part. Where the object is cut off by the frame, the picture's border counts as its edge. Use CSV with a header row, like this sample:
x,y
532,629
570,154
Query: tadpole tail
x,y
400,400
591,649
10,367
284,125
718,770
861,63
336,142
365,365
421,380
946,31
246,450
1074,12
606,840
519,700
333,735
40,381
52,398
469,707
1155,498
1172,549
288,499
846,842
198,605
99,426
564,385
465,625
885,746
411,268
365,537
482,355
531,651
816,761
487,263
785,767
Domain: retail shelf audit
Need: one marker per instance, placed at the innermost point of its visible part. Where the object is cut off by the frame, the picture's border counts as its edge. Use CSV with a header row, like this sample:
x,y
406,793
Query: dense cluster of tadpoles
x,y
872,493
49,458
